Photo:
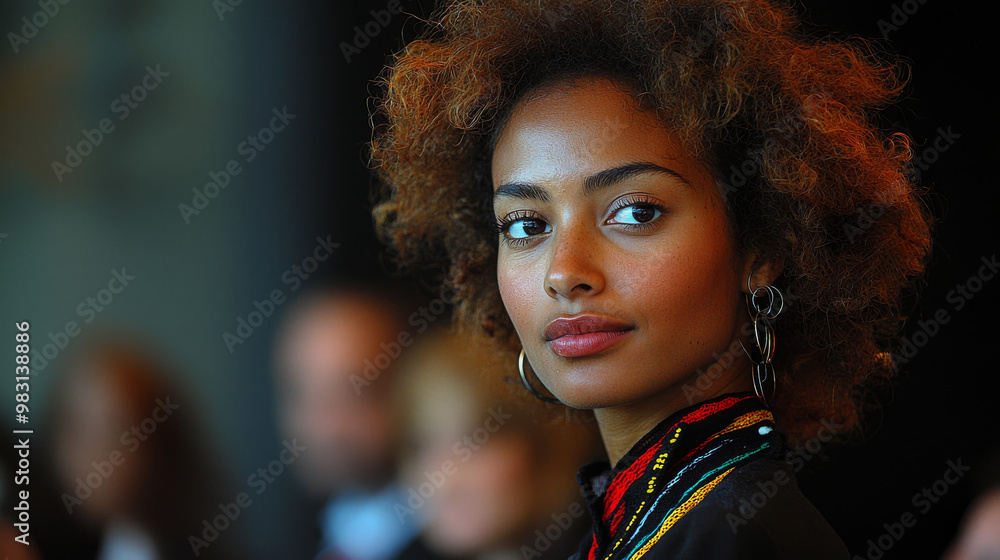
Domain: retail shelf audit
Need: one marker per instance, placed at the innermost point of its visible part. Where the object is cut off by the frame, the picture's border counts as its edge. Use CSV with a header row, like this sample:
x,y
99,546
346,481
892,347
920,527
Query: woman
x,y
129,457
488,479
669,187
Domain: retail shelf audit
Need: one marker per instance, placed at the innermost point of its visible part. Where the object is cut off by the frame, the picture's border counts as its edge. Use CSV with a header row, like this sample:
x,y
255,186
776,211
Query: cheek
x,y
683,279
518,287
689,287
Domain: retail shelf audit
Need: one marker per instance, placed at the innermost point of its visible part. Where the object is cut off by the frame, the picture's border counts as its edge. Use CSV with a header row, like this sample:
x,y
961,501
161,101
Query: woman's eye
x,y
526,227
636,214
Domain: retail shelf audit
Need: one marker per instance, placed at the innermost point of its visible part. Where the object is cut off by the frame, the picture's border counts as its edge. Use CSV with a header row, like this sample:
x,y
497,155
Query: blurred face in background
x,y
102,411
485,484
343,419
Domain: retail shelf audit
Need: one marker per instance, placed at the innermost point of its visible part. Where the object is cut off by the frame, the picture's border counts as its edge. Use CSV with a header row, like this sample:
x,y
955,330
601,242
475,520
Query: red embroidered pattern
x,y
614,513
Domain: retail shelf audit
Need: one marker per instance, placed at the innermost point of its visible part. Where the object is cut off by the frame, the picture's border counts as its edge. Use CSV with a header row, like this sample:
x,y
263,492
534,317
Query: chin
x,y
595,399
606,383
590,390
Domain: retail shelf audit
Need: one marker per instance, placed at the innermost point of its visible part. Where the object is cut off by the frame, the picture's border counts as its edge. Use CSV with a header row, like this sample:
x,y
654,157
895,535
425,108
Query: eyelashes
x,y
521,227
498,226
638,202
502,227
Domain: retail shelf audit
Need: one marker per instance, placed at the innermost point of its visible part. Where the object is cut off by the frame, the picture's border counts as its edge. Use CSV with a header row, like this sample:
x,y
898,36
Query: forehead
x,y
578,127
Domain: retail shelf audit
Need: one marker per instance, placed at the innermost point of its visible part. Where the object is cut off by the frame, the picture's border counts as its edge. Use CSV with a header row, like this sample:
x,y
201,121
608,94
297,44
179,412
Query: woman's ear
x,y
764,272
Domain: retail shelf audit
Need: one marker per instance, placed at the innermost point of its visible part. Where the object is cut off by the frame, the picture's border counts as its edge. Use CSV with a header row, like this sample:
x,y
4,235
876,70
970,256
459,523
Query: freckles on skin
x,y
674,281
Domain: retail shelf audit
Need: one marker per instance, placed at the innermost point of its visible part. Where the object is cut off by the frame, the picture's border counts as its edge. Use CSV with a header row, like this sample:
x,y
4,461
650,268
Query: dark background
x,y
119,208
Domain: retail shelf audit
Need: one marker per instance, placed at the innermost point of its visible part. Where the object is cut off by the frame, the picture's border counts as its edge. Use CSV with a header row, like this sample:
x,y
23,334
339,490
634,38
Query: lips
x,y
584,335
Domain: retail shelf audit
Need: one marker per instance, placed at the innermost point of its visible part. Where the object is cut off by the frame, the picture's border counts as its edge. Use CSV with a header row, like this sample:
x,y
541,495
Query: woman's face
x,y
609,224
485,483
91,432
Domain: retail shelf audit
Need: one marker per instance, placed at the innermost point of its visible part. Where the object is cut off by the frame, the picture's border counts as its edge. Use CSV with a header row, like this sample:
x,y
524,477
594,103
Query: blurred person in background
x,y
129,458
979,536
335,357
491,475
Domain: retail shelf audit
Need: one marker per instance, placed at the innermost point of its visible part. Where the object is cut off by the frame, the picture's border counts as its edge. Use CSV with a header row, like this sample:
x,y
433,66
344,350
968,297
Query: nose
x,y
574,266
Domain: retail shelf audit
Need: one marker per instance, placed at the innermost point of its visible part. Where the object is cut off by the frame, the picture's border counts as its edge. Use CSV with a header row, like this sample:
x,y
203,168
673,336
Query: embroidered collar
x,y
670,469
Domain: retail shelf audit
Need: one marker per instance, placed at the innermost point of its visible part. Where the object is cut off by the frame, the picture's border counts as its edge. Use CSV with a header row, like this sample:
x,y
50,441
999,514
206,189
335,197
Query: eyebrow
x,y
591,184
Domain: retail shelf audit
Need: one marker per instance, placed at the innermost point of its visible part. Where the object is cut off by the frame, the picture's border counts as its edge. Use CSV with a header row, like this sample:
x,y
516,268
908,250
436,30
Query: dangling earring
x,y
524,380
764,303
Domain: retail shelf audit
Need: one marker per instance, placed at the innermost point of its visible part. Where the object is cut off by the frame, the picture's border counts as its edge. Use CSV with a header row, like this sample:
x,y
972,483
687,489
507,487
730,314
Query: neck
x,y
623,426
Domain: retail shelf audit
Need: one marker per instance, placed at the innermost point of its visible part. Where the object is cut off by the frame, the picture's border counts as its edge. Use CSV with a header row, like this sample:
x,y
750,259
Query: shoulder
x,y
755,511
758,508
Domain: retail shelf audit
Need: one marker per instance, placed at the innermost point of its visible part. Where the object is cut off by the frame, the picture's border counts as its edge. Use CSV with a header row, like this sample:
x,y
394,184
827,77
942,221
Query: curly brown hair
x,y
784,119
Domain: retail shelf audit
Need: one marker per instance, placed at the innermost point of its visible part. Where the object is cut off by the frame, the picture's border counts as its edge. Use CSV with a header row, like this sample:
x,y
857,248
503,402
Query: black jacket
x,y
709,482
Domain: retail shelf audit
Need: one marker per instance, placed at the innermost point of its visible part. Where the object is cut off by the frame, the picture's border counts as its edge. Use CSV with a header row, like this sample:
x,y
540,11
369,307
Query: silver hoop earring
x,y
524,380
764,303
